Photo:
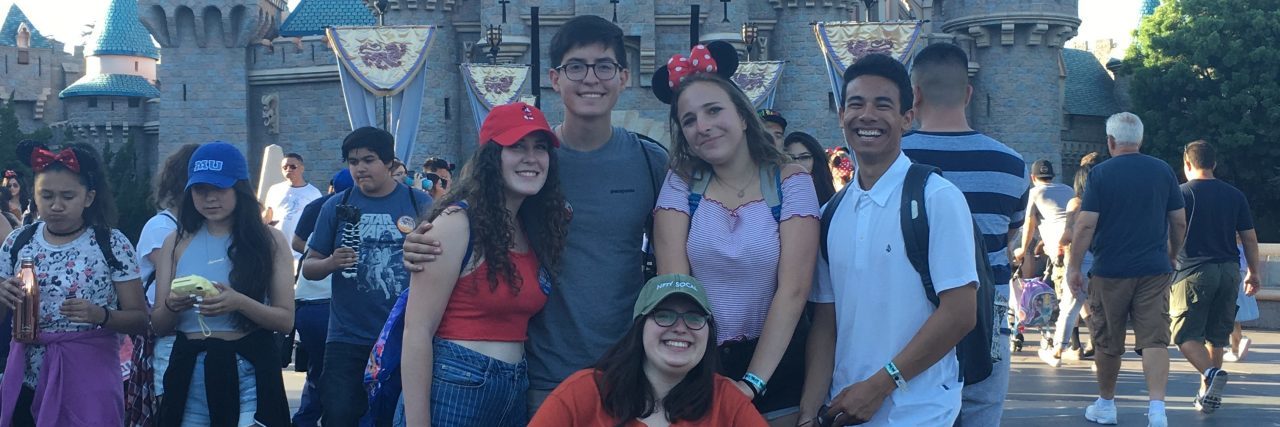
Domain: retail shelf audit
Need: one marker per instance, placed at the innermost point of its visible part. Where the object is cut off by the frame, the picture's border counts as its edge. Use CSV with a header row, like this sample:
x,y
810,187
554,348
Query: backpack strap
x,y
827,212
24,237
653,183
466,256
915,224
413,199
771,189
701,180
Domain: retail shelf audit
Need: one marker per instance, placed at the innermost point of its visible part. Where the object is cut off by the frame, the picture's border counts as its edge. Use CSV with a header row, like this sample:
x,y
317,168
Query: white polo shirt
x,y
880,302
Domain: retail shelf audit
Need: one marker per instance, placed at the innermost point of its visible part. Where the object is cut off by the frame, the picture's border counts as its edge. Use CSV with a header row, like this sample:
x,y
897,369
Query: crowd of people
x,y
584,275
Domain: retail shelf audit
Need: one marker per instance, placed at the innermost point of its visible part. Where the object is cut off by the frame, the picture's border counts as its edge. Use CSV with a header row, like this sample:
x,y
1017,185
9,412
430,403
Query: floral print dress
x,y
76,269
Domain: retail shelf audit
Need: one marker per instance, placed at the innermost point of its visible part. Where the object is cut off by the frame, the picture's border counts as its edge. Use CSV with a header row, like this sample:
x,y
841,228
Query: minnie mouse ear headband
x,y
716,57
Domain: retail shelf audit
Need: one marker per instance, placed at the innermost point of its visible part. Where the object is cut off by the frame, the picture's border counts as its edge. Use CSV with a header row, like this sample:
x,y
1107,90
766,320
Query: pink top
x,y
735,252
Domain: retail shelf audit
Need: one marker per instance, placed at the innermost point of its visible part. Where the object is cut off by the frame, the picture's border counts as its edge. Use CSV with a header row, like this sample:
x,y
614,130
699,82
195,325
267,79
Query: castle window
x,y
24,37
135,102
24,56
93,102
135,65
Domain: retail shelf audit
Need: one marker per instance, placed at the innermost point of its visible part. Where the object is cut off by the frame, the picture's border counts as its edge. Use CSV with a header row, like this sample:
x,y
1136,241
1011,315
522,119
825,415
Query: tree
x,y
131,188
1210,69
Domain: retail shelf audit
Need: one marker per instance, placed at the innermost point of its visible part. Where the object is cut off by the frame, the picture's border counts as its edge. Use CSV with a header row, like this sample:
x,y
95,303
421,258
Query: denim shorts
x,y
196,412
471,389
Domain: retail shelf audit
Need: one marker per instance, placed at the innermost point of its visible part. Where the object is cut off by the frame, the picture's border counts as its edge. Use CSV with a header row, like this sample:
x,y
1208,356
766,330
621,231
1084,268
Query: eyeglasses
x,y
803,157
577,71
289,167
667,318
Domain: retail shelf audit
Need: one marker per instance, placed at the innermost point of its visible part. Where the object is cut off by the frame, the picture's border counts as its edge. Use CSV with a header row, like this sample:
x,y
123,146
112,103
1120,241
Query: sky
x,y
66,19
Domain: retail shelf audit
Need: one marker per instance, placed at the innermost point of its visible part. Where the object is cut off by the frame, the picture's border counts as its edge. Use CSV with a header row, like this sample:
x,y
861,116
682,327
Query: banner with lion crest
x,y
759,80
844,43
493,85
384,62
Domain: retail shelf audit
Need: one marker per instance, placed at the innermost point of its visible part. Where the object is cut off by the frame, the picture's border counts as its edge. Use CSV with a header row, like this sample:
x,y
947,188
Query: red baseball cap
x,y
507,124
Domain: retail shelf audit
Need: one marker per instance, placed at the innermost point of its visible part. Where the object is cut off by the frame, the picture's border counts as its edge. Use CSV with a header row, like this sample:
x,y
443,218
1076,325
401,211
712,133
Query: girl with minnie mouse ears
x,y
722,153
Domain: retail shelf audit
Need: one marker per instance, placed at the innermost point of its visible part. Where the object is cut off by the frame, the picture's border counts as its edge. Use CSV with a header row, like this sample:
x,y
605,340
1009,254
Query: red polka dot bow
x,y
698,61
42,158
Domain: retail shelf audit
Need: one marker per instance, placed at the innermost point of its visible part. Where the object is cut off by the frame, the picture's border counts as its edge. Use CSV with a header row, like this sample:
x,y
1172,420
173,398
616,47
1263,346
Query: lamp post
x,y
750,32
493,35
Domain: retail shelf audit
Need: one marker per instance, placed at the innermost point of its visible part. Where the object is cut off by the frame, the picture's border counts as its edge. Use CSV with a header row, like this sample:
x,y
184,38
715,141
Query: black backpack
x,y
975,351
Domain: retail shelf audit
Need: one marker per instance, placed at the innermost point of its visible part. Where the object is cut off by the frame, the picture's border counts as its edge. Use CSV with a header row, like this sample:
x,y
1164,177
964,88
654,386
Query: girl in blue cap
x,y
224,368
69,375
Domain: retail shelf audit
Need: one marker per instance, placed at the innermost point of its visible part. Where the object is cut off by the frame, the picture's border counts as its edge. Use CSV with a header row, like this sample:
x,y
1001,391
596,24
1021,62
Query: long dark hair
x,y
172,181
544,217
627,394
1082,174
100,214
252,246
759,142
821,172
24,191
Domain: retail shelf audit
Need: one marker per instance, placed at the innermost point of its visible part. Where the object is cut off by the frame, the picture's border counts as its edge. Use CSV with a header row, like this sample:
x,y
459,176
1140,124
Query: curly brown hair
x,y
759,142
171,184
543,215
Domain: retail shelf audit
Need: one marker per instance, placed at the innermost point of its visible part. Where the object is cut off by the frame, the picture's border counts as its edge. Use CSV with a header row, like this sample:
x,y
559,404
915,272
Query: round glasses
x,y
667,318
577,71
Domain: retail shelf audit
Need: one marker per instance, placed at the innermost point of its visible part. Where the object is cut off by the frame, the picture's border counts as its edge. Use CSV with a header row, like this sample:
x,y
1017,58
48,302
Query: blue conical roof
x,y
9,33
121,32
311,17
1149,7
111,85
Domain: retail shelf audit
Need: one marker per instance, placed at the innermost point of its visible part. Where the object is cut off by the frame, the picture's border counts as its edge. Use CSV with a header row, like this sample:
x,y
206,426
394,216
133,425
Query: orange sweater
x,y
576,402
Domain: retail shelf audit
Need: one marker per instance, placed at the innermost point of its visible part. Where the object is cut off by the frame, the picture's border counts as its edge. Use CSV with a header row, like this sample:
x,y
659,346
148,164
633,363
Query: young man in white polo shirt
x,y
893,358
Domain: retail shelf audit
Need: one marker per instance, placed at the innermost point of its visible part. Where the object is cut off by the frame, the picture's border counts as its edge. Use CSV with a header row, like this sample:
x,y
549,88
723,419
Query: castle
x,y
253,73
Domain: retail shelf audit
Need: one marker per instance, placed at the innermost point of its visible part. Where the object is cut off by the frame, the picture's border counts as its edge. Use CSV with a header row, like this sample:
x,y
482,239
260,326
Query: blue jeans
x,y
196,411
983,403
471,389
312,322
342,381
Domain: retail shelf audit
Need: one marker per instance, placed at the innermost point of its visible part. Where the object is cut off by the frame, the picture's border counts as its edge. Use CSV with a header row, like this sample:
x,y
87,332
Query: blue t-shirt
x,y
363,302
1133,195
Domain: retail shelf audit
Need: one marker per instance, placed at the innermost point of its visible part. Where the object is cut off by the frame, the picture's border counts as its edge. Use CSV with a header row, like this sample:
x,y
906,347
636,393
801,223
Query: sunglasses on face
x,y
667,318
803,157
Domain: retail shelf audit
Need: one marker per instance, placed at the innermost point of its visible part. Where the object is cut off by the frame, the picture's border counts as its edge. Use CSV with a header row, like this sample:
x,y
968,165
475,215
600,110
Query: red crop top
x,y
477,312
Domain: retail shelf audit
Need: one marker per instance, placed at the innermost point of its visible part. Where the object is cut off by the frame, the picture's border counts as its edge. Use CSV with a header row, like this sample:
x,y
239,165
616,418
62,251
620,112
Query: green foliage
x,y
131,188
1210,69
10,135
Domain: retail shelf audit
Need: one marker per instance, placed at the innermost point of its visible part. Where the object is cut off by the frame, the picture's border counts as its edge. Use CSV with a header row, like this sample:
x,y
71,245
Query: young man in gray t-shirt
x,y
610,178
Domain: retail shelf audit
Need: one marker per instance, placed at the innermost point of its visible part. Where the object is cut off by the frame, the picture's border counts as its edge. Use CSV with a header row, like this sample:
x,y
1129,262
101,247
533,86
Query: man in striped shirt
x,y
994,180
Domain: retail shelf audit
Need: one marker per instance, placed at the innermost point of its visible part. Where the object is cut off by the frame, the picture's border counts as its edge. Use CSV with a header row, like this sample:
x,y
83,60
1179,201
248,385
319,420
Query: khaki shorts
x,y
1115,301
1203,305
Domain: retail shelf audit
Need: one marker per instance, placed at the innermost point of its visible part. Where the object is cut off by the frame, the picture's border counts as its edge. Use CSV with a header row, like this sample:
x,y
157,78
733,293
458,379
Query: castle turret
x,y
205,77
110,103
32,71
1016,68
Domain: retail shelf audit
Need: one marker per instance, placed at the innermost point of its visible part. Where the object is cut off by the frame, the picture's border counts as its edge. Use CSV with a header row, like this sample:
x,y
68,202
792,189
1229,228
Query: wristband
x,y
106,317
892,369
757,385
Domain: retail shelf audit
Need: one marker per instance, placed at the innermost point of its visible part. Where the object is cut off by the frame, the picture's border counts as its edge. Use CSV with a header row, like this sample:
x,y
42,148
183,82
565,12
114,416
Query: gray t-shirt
x,y
589,309
1048,203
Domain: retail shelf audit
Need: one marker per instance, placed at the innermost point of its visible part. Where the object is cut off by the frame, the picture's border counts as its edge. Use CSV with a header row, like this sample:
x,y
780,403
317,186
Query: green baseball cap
x,y
661,287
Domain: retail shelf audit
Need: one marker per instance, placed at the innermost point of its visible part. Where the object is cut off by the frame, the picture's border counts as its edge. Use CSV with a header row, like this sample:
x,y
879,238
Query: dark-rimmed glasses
x,y
667,318
577,71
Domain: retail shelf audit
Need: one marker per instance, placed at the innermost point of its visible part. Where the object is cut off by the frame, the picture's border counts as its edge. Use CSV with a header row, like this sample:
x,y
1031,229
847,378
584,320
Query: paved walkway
x,y
1044,396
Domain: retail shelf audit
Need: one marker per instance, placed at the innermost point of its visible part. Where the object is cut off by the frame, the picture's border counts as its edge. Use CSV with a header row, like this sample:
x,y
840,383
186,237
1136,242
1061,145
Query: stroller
x,y
1036,306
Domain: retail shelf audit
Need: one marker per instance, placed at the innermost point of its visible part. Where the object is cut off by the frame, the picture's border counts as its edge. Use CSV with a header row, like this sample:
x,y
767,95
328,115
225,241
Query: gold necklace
x,y
742,192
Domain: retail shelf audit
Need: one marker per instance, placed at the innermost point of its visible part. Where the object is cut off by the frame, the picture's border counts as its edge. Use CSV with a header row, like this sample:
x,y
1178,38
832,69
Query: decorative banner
x,y
493,85
759,80
844,43
384,62
382,59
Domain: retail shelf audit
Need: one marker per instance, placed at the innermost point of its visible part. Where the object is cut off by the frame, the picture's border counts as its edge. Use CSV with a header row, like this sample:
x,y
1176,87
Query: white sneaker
x,y
1157,419
1100,416
1212,399
1046,354
1230,356
1244,348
